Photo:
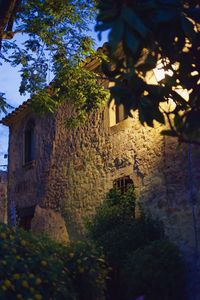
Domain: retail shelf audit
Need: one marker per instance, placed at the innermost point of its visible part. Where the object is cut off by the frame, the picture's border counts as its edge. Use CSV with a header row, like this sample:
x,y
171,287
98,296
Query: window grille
x,y
123,183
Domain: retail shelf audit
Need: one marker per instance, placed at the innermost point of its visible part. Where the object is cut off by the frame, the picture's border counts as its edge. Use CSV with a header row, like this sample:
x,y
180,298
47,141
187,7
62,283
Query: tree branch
x,y
8,35
8,10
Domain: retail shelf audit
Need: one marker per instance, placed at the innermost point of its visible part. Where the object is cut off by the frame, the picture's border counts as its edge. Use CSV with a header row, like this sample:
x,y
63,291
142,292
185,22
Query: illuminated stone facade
x,y
72,170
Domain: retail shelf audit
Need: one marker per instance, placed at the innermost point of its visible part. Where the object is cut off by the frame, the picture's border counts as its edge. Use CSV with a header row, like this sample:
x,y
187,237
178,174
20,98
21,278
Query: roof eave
x,y
7,120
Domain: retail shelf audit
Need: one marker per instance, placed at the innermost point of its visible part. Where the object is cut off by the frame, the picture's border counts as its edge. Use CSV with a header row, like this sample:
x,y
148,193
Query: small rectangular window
x,y
29,142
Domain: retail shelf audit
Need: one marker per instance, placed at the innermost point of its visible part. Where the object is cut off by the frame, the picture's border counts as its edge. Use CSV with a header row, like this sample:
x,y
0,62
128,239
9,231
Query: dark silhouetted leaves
x,y
165,32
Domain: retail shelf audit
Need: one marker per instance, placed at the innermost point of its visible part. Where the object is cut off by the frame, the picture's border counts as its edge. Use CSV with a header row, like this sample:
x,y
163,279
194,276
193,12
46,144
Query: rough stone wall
x,y
86,161
27,182
74,169
79,174
3,197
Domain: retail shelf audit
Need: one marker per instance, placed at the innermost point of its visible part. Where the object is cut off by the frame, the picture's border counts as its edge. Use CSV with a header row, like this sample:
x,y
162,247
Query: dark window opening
x,y
25,223
123,183
29,143
25,216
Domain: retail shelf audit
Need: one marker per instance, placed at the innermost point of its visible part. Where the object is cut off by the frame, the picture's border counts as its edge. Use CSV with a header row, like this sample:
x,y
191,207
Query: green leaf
x,y
147,5
149,64
158,116
149,111
4,107
165,15
188,28
180,100
194,13
145,115
116,34
134,21
104,26
132,42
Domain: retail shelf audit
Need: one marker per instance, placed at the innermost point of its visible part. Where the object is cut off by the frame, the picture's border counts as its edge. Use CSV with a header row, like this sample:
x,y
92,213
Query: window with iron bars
x,y
123,183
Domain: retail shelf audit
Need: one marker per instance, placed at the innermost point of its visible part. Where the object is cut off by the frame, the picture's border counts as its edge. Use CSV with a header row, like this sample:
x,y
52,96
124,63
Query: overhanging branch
x,y
8,9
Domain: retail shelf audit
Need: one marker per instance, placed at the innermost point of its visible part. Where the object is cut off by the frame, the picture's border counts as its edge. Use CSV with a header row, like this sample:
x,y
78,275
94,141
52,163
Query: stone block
x,y
50,223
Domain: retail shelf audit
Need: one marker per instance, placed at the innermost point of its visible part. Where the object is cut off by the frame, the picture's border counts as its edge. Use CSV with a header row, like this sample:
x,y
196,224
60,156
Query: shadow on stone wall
x,y
173,197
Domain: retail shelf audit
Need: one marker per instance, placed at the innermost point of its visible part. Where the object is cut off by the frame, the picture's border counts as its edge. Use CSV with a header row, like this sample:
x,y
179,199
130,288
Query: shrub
x,y
38,268
115,228
88,269
136,250
156,271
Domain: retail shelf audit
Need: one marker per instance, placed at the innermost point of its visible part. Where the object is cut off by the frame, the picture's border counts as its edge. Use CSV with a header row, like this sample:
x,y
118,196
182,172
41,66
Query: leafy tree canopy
x,y
55,41
144,35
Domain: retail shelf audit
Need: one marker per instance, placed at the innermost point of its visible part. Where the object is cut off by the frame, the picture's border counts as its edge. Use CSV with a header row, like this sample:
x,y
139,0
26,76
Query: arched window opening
x,y
123,183
29,142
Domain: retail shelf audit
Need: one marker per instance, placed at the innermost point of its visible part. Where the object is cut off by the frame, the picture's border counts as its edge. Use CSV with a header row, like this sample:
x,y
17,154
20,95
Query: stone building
x,y
3,197
68,172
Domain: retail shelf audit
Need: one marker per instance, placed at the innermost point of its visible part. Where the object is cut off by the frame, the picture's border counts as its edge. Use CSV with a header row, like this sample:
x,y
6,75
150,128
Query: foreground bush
x,y
37,268
156,271
88,270
129,242
116,229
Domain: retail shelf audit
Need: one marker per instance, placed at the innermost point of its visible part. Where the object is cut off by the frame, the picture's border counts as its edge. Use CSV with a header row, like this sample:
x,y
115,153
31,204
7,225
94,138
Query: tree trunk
x,y
7,12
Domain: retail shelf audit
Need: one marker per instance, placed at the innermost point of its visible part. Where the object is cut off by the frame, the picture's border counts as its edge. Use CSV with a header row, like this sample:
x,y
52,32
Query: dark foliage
x,y
38,268
155,271
128,240
143,34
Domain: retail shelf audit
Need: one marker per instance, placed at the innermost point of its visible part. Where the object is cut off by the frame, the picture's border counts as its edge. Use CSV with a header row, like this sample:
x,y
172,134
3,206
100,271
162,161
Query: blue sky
x,y
9,84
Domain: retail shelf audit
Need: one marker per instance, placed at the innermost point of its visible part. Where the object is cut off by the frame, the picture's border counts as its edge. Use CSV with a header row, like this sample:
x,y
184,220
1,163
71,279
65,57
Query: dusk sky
x,y
9,84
